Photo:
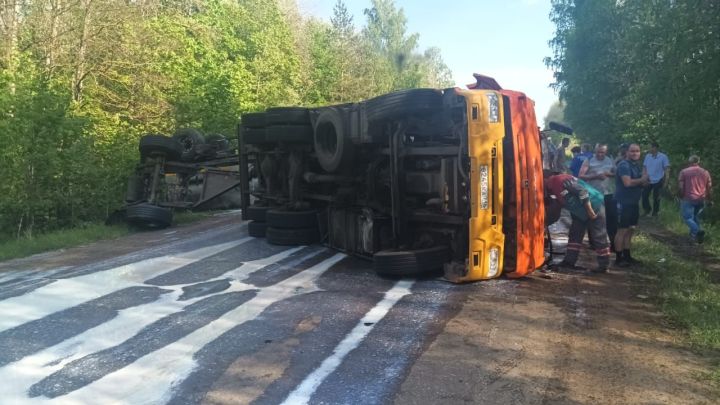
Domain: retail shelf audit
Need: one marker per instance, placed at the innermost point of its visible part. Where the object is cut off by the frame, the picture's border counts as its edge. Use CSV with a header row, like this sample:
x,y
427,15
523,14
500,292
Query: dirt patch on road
x,y
560,338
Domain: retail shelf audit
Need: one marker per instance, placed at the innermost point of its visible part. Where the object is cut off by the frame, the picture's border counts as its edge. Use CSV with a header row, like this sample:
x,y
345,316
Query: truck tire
x,y
149,216
256,213
287,115
190,139
160,145
332,143
254,136
409,262
403,102
253,120
291,237
289,133
257,229
281,219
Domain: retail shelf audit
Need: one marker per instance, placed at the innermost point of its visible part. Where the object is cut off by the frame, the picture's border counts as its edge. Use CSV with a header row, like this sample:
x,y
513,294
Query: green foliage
x,y
642,71
60,239
684,292
81,82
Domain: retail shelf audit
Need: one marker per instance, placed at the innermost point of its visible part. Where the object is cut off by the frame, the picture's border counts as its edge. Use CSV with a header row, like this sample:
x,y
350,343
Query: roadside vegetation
x,y
643,71
59,239
82,81
683,289
12,248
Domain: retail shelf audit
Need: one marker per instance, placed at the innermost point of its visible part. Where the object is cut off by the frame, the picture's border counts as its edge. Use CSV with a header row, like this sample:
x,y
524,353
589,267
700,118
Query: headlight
x,y
493,107
493,262
484,187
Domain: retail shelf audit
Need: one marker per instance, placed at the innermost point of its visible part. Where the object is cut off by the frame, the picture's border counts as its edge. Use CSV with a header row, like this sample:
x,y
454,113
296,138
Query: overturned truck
x,y
416,180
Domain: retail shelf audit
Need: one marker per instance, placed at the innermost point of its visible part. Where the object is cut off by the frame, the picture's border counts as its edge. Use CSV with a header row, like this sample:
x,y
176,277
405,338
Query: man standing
x,y
586,208
657,166
560,157
695,189
630,179
599,172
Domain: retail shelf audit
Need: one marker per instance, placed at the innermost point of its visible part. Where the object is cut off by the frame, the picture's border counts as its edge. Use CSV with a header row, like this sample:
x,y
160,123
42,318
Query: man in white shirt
x,y
599,172
657,166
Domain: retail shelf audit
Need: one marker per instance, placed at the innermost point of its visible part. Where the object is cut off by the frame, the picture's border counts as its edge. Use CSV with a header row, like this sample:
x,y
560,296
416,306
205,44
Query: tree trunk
x,y
81,59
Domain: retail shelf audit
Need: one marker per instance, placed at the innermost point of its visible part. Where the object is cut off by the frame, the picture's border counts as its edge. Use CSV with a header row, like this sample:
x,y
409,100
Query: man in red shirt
x,y
695,191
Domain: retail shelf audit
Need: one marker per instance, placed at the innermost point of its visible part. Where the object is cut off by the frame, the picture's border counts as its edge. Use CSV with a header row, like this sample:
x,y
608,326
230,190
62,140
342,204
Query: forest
x,y
641,71
82,80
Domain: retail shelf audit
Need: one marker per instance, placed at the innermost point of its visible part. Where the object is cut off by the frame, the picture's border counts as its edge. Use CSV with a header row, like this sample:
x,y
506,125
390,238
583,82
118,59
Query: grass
x,y
26,246
682,285
670,219
66,238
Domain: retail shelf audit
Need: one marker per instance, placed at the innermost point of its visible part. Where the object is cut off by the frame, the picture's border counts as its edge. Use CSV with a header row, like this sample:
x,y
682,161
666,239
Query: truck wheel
x,y
160,145
282,219
290,237
257,229
289,133
404,102
253,120
149,216
332,145
256,213
190,139
287,115
395,262
254,136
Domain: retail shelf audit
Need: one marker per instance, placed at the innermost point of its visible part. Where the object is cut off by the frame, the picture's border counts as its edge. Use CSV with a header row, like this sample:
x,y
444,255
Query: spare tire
x,y
332,143
299,236
190,139
218,142
149,216
160,145
402,103
253,120
287,115
395,262
282,219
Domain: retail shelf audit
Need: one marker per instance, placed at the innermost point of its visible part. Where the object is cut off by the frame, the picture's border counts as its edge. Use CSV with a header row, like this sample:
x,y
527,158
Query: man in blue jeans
x,y
695,191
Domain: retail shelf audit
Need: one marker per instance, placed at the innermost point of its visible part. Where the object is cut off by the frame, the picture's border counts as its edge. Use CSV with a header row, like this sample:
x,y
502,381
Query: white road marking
x,y
66,293
303,392
172,364
31,369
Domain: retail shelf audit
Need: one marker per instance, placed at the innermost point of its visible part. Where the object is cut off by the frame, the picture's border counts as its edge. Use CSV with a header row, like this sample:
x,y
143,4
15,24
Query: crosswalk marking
x,y
66,293
173,363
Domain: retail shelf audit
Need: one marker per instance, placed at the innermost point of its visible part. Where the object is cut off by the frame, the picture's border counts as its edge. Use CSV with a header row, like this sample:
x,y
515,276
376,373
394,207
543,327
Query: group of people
x,y
604,197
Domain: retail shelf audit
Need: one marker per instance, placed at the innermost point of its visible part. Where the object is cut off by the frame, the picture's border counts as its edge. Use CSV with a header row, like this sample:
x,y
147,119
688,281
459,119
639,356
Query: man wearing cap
x,y
695,192
658,168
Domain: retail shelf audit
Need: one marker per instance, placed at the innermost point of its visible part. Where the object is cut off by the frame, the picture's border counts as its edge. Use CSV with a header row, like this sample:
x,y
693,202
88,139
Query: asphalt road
x,y
210,315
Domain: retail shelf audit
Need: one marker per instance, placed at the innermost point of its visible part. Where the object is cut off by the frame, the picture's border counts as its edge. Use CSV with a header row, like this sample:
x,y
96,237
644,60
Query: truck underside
x,y
416,180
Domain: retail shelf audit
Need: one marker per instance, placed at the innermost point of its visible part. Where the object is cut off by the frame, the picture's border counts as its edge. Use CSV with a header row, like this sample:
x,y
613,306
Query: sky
x,y
504,39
